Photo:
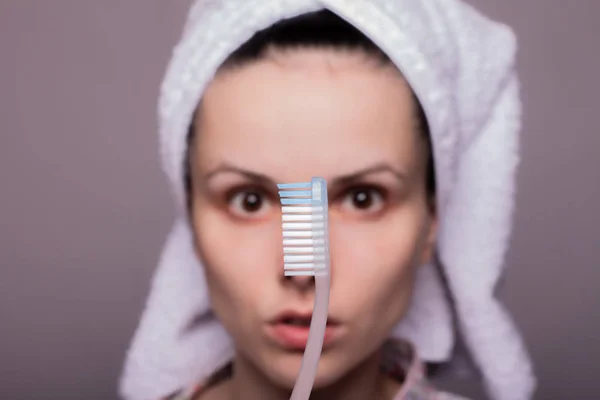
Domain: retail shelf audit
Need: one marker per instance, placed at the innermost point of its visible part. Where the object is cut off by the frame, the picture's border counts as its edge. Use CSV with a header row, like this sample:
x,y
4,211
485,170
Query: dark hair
x,y
321,29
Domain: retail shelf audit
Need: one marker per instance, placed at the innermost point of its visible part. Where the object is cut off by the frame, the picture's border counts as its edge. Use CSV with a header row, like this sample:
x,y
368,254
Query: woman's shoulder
x,y
409,396
400,363
424,390
425,393
450,396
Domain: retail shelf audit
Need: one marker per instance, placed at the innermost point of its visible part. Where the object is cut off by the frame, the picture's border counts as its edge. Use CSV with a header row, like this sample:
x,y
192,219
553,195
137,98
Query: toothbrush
x,y
306,253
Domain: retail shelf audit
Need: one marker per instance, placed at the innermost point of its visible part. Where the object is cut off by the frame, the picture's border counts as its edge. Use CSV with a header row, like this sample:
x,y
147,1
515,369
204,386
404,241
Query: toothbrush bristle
x,y
304,229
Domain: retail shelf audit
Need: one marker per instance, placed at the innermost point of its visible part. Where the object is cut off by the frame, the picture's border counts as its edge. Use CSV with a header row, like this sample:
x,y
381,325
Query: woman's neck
x,y
364,382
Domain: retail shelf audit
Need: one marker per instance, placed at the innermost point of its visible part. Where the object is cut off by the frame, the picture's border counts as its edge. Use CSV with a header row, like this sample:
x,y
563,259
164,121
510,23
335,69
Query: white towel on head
x,y
461,67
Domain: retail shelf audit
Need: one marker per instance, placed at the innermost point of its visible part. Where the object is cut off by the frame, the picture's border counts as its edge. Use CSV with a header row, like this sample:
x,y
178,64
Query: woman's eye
x,y
248,203
367,200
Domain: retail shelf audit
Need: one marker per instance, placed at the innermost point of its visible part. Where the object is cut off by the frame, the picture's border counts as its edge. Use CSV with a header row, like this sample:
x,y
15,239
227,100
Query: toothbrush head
x,y
305,228
306,253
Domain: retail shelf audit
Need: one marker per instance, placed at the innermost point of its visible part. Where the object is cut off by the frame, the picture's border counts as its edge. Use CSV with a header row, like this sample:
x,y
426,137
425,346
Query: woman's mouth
x,y
290,330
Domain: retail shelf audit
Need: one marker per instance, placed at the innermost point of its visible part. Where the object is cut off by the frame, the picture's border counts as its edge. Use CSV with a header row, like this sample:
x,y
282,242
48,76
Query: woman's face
x,y
287,118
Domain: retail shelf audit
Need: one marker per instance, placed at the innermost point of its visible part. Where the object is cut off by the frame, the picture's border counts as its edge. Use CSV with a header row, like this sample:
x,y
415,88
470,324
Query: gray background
x,y
84,208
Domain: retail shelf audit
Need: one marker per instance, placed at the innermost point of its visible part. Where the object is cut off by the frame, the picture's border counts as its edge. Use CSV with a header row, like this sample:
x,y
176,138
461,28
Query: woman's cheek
x,y
243,245
373,263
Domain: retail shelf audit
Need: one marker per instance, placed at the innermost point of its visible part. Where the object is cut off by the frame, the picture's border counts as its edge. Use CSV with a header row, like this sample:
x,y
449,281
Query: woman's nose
x,y
303,283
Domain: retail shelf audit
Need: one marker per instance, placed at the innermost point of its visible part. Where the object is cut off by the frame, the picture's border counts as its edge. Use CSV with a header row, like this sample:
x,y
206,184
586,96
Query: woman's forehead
x,y
313,115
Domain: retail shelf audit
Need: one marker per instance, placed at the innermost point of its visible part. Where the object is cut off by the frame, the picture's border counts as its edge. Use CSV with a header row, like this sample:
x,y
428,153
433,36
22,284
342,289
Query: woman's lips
x,y
290,330
295,337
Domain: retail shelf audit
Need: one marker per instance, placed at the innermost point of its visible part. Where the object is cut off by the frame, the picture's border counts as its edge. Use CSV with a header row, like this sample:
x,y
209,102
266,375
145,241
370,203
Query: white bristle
x,y
302,250
300,266
299,273
289,258
301,209
302,217
298,234
303,242
297,226
303,266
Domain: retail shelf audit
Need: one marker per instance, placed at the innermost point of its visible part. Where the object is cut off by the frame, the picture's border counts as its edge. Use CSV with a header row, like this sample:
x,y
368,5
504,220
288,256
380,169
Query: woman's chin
x,y
285,371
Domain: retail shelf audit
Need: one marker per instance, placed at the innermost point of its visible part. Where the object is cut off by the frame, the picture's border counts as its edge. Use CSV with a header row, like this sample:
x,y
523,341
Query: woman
x,y
416,136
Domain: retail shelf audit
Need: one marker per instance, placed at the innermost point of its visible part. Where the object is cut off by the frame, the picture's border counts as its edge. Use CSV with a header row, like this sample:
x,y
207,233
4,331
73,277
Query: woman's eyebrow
x,y
338,181
374,169
229,168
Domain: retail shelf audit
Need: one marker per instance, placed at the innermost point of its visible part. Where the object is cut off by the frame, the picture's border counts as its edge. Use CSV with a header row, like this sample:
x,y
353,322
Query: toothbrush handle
x,y
314,345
